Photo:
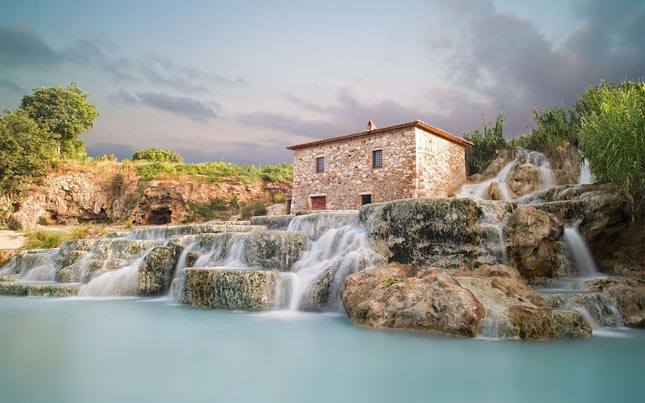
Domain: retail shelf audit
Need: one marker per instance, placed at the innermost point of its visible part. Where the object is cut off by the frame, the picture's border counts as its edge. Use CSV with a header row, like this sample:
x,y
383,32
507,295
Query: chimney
x,y
370,125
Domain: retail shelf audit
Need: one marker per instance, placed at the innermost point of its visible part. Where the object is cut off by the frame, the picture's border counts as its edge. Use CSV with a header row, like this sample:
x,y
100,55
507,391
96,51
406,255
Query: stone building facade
x,y
409,160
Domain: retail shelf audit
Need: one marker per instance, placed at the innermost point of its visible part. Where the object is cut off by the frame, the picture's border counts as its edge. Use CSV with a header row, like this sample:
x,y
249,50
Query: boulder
x,y
447,233
534,241
516,311
156,271
274,249
402,297
524,179
317,296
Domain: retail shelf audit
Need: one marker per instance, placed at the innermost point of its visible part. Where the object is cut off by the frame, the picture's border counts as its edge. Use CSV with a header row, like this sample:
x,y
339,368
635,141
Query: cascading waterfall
x,y
34,266
479,191
119,282
338,245
584,262
586,176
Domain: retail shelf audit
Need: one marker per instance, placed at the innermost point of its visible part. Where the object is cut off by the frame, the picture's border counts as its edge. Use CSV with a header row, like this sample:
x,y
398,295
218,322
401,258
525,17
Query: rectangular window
x,y
320,164
377,159
366,199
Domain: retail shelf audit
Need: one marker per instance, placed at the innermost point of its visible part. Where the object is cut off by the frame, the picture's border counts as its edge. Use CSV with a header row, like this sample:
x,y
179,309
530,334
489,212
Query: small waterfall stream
x,y
338,247
479,191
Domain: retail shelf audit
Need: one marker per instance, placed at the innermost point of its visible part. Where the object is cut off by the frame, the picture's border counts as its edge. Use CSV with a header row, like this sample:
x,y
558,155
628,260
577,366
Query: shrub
x,y
80,232
158,155
612,136
485,143
554,128
214,209
251,209
44,240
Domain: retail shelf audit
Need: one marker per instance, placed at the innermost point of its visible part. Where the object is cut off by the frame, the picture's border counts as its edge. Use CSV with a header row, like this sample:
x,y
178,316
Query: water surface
x,y
142,350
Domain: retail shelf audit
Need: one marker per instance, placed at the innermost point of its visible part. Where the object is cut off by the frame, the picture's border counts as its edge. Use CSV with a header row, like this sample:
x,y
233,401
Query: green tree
x,y
486,141
158,155
63,113
24,152
612,136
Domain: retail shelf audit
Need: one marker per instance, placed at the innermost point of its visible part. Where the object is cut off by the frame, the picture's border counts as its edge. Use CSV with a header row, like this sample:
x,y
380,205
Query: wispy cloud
x,y
24,48
182,106
11,86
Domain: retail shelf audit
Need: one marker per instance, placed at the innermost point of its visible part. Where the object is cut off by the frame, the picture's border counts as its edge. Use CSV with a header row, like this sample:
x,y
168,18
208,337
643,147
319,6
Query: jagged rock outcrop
x,y
534,241
490,301
103,192
402,297
248,290
445,233
604,220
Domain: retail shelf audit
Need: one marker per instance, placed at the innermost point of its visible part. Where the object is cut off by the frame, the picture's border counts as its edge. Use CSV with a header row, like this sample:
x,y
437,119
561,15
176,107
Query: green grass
x,y
216,171
44,240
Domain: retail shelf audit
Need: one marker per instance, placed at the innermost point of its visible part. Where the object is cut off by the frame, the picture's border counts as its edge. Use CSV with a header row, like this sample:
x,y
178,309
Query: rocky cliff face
x,y
112,192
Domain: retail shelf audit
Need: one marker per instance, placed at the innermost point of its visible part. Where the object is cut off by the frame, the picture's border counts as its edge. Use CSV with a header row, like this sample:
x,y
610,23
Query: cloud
x,y
11,86
504,60
182,106
348,115
20,46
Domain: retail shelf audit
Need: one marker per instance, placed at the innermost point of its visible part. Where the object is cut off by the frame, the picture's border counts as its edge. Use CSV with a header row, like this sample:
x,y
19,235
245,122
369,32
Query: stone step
x,y
222,288
55,290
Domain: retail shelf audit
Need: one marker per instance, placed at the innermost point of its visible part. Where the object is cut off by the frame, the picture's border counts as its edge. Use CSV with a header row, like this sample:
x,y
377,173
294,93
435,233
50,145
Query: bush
x,y
485,143
44,240
612,136
251,209
213,210
158,155
554,128
80,232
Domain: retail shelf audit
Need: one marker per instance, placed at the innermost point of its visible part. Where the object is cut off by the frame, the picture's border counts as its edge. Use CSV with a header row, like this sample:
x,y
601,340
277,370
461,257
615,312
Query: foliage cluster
x,y
53,239
215,209
157,155
486,141
251,209
556,127
612,136
45,126
215,171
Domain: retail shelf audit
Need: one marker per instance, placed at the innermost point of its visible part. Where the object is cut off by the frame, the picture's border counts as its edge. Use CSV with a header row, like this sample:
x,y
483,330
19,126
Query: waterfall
x,y
123,281
478,191
583,260
586,176
37,265
338,246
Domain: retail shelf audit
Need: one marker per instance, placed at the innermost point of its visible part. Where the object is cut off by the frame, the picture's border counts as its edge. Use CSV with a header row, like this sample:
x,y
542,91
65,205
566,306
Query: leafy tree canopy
x,y
63,113
158,155
24,151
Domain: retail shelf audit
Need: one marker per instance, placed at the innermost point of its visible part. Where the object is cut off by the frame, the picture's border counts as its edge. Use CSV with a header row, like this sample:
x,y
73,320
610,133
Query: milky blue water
x,y
68,351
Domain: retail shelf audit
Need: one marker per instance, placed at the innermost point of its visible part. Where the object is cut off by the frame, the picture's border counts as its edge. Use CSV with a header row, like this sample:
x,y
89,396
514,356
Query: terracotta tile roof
x,y
414,123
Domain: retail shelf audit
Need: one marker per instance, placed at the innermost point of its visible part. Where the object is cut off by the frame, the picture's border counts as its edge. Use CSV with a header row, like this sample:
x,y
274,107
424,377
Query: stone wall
x,y
441,165
349,173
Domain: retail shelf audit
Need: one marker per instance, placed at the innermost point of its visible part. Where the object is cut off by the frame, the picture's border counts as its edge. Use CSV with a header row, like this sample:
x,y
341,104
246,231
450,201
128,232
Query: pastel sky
x,y
241,80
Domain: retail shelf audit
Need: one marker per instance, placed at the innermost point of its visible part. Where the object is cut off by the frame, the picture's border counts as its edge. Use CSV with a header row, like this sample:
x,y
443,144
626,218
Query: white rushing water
x,y
122,281
479,191
583,260
586,176
338,242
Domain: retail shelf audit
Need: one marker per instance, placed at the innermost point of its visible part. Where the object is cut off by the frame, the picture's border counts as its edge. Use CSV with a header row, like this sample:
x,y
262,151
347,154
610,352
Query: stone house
x,y
410,160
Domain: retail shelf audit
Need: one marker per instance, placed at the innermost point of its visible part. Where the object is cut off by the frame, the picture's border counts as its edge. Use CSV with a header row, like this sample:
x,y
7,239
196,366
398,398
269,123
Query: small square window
x,y
377,159
320,164
366,199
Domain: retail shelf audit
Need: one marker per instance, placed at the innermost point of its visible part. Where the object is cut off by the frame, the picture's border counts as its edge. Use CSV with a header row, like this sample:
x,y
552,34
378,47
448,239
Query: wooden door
x,y
318,202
